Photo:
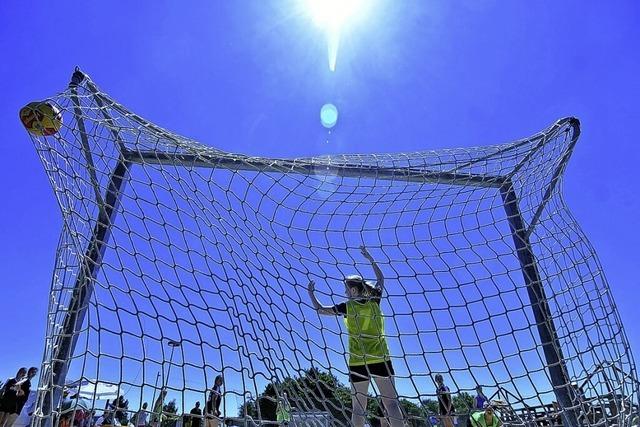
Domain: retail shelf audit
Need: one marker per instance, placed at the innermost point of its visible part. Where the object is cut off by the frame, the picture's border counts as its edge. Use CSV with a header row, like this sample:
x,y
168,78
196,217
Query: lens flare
x,y
329,115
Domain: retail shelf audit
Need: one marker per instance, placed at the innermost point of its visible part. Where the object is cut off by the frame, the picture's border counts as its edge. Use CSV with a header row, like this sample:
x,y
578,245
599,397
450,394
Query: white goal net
x,y
179,262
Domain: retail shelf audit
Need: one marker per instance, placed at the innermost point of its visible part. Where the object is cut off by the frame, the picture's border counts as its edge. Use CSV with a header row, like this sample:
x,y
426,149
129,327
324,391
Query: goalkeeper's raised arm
x,y
376,269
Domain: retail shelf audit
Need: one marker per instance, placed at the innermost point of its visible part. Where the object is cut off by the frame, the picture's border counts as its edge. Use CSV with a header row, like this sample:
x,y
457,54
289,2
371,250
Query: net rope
x,y
166,240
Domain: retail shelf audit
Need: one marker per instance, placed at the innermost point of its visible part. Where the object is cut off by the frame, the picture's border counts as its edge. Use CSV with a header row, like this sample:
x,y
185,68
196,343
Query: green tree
x,y
248,409
318,390
313,390
430,405
416,414
462,402
374,409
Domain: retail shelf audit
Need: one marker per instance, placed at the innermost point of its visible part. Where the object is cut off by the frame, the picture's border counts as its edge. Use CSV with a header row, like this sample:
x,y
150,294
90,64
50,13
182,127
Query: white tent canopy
x,y
93,389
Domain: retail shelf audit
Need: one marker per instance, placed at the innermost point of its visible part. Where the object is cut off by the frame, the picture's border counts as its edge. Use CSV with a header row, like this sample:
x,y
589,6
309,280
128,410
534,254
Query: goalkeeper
x,y
368,350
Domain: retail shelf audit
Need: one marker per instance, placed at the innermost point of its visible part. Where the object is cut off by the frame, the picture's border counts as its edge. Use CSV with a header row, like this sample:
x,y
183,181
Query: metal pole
x,y
166,380
82,291
213,160
65,341
155,387
173,344
541,312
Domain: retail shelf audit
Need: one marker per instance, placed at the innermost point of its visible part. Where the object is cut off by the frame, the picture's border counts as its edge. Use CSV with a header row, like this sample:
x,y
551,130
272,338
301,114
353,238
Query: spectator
x,y
10,398
212,409
480,401
107,417
91,418
445,404
140,418
81,418
23,391
121,407
196,416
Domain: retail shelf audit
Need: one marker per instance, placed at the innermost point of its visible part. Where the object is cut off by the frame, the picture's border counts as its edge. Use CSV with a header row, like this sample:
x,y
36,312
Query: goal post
x,y
82,291
92,160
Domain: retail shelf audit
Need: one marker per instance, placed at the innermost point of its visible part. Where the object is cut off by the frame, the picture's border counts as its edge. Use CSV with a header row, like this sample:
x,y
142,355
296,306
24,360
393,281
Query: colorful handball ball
x,y
41,118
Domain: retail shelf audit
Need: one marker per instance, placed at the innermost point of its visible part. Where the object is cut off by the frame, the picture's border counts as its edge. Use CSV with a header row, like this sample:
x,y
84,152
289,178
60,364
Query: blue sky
x,y
251,78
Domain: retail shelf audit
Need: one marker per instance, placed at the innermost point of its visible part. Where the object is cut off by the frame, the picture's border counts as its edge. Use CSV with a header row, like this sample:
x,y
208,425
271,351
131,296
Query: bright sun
x,y
332,16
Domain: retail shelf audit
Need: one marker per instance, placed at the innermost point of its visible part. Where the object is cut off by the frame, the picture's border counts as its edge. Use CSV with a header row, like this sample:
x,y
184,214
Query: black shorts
x,y
365,372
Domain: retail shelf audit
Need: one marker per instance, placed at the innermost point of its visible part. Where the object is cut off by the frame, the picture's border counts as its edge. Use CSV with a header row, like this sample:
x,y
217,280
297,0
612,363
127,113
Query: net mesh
x,y
178,262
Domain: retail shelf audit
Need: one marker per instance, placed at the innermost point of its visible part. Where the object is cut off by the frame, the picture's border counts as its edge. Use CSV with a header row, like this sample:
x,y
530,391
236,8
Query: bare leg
x,y
387,387
3,418
359,399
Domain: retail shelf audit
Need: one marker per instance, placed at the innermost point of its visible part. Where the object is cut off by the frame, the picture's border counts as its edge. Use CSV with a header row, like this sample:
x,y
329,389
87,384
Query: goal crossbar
x,y
303,167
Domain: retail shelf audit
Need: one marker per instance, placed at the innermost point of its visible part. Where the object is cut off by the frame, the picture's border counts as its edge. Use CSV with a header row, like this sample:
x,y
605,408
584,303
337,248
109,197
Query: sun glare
x,y
331,15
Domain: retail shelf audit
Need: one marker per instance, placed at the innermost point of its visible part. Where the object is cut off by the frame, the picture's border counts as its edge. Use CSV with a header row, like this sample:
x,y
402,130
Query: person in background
x,y
82,418
10,398
99,421
480,401
108,418
445,404
140,418
196,416
121,409
91,418
283,410
22,392
486,418
107,414
212,409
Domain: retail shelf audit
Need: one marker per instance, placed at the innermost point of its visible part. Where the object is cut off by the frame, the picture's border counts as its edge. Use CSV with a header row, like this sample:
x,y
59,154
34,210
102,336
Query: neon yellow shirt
x,y
365,324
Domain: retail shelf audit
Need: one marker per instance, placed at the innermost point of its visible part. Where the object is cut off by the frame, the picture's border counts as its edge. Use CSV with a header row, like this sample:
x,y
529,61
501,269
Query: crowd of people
x,y
14,395
116,412
481,413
